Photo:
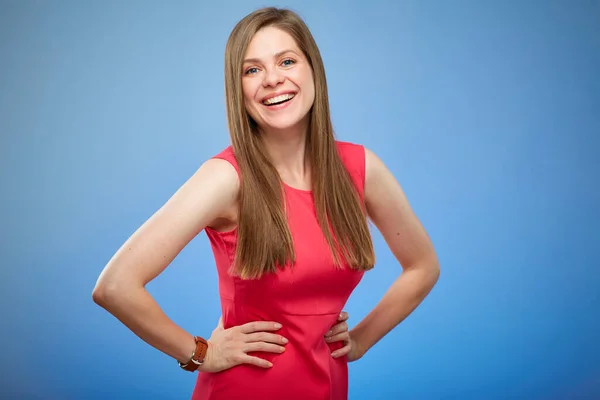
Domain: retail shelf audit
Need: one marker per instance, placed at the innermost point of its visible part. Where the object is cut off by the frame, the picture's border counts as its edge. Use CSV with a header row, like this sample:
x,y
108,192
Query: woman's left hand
x,y
339,333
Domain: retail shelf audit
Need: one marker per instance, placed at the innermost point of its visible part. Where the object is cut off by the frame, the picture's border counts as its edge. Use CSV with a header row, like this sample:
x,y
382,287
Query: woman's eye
x,y
251,71
288,62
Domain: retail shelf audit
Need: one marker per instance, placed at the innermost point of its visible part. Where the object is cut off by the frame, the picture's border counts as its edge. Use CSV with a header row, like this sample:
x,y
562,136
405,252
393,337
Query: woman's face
x,y
277,81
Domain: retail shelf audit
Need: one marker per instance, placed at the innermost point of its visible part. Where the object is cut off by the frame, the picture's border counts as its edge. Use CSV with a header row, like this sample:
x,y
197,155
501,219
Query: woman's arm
x,y
209,194
391,213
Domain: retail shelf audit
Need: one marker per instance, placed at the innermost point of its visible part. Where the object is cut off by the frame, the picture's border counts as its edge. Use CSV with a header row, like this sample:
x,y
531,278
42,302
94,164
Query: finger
x,y
220,323
262,346
338,328
257,326
340,337
259,362
265,337
343,316
342,352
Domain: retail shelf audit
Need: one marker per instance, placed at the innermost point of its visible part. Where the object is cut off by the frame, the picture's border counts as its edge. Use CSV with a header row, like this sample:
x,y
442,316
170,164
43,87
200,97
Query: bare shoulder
x,y
378,178
206,196
391,212
215,180
227,187
373,164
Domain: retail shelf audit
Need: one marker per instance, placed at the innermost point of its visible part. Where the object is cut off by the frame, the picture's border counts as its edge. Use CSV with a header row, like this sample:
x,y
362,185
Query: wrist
x,y
358,343
187,350
206,365
197,356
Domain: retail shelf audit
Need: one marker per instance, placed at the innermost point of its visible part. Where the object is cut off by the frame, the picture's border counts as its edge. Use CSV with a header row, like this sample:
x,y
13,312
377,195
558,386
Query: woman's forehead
x,y
270,42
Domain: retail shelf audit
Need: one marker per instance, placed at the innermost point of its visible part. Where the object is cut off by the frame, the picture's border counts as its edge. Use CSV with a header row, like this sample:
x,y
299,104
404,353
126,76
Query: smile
x,y
284,98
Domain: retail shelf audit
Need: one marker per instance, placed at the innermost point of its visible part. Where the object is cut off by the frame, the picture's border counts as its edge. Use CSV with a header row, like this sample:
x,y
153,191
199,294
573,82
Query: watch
x,y
197,357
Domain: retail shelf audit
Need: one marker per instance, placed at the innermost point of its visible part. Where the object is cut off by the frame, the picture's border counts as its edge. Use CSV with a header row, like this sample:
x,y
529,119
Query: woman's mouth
x,y
278,102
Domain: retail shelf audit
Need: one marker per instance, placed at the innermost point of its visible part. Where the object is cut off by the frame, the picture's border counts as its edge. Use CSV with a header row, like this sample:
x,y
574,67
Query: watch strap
x,y
197,357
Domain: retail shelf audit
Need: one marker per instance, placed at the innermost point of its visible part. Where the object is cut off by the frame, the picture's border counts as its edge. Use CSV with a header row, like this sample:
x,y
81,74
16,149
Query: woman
x,y
285,208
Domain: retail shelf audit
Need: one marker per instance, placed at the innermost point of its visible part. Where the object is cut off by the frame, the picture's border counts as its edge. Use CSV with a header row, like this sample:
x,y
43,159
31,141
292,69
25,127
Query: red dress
x,y
306,300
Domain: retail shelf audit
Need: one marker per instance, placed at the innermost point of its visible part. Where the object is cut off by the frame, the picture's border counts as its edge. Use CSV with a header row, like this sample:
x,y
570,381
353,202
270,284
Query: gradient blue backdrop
x,y
488,113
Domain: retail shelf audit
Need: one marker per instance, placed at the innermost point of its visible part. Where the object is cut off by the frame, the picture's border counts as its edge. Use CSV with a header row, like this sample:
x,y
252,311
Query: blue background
x,y
488,113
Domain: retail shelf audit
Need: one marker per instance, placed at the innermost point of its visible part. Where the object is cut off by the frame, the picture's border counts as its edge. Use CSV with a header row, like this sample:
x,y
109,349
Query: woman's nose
x,y
272,77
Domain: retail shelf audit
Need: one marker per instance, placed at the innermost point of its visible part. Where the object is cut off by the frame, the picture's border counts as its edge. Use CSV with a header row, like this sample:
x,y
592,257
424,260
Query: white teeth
x,y
278,99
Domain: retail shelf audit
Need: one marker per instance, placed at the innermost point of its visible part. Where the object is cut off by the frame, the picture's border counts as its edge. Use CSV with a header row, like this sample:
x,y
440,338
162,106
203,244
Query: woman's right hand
x,y
229,347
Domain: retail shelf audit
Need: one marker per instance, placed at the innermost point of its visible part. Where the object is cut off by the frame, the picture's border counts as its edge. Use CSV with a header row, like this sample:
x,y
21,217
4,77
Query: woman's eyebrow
x,y
277,55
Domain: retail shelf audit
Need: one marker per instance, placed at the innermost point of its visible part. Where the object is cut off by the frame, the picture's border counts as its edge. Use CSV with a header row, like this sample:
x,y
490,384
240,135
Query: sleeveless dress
x,y
306,300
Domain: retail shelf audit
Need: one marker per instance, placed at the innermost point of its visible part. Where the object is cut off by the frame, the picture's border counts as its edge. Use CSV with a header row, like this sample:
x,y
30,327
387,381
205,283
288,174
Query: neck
x,y
287,151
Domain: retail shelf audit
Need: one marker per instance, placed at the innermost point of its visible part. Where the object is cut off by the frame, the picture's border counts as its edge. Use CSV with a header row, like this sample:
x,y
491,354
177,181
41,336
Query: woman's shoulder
x,y
220,169
228,155
345,146
352,156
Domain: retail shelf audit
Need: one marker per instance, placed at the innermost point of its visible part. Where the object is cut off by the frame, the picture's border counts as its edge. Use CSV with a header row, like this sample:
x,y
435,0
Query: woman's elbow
x,y
430,267
107,291
434,267
100,294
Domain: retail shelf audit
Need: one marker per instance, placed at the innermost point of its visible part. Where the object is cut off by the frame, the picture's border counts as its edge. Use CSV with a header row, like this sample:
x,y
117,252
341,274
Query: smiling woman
x,y
275,80
285,208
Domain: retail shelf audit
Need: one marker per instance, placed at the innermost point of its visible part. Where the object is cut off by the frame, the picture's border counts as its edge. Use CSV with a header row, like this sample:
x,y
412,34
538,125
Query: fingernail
x,y
329,333
284,340
277,326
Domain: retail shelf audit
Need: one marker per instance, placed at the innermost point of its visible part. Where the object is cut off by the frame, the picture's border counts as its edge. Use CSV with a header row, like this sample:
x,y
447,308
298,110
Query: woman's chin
x,y
283,125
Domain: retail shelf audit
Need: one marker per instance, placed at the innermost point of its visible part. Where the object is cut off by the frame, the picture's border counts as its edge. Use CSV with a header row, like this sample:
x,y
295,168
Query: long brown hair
x,y
264,238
